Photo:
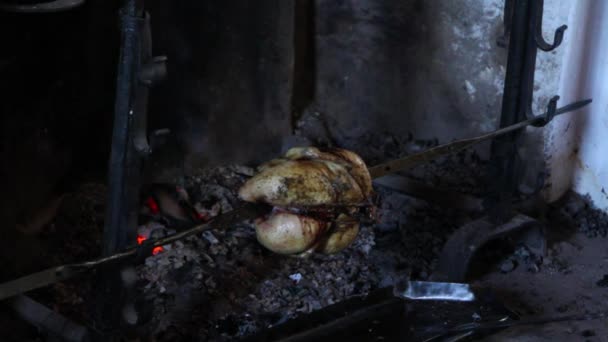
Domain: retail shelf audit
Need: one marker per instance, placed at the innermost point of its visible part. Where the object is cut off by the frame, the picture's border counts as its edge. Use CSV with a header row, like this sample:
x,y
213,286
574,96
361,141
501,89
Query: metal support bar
x,y
124,169
115,237
524,40
516,99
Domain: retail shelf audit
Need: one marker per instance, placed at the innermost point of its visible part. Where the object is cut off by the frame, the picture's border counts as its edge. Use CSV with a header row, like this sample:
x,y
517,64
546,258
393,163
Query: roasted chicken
x,y
315,194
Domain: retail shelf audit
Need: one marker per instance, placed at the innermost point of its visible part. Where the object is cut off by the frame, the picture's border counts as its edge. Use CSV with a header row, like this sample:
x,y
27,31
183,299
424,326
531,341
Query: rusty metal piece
x,y
462,246
42,7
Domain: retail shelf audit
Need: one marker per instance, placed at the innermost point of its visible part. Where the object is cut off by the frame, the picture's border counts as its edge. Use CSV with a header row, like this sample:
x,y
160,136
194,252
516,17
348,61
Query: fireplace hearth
x,y
132,126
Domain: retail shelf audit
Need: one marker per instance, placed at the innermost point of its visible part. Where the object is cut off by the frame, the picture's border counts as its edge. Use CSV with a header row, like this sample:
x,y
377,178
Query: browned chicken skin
x,y
315,194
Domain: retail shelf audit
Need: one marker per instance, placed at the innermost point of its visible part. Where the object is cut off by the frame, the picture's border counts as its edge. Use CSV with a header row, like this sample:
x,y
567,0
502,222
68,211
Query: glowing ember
x,y
152,205
155,250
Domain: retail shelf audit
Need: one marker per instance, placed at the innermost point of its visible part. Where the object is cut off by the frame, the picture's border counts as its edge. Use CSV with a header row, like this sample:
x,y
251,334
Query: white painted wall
x,y
576,145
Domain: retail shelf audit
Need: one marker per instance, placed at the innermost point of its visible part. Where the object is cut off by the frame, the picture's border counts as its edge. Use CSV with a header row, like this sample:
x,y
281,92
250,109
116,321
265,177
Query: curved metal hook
x,y
538,32
557,38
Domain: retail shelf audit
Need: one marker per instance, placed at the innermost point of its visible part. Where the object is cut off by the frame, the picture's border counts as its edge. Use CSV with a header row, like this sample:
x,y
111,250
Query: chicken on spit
x,y
316,195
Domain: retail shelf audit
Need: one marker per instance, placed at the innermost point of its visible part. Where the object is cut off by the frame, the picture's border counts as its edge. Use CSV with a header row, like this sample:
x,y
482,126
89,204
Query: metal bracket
x,y
538,33
154,71
151,73
462,246
543,120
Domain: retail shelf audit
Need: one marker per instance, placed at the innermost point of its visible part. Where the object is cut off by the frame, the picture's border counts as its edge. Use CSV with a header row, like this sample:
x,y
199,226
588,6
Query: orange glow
x,y
152,205
155,250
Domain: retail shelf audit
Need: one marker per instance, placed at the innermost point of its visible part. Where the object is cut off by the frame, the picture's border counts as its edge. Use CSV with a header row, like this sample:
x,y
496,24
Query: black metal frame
x,y
523,26
137,71
118,225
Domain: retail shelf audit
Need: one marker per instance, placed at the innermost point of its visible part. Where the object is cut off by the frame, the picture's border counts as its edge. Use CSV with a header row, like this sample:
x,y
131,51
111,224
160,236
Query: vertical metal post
x,y
516,104
124,168
115,229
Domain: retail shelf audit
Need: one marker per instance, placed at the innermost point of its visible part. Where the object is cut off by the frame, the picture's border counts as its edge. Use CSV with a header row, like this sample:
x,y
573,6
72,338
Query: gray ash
x,y
588,219
421,229
464,172
230,278
226,285
222,284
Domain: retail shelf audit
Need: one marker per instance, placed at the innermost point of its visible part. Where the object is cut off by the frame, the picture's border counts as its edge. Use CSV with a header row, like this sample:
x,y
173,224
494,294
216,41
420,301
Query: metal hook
x,y
543,120
551,108
538,34
557,39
